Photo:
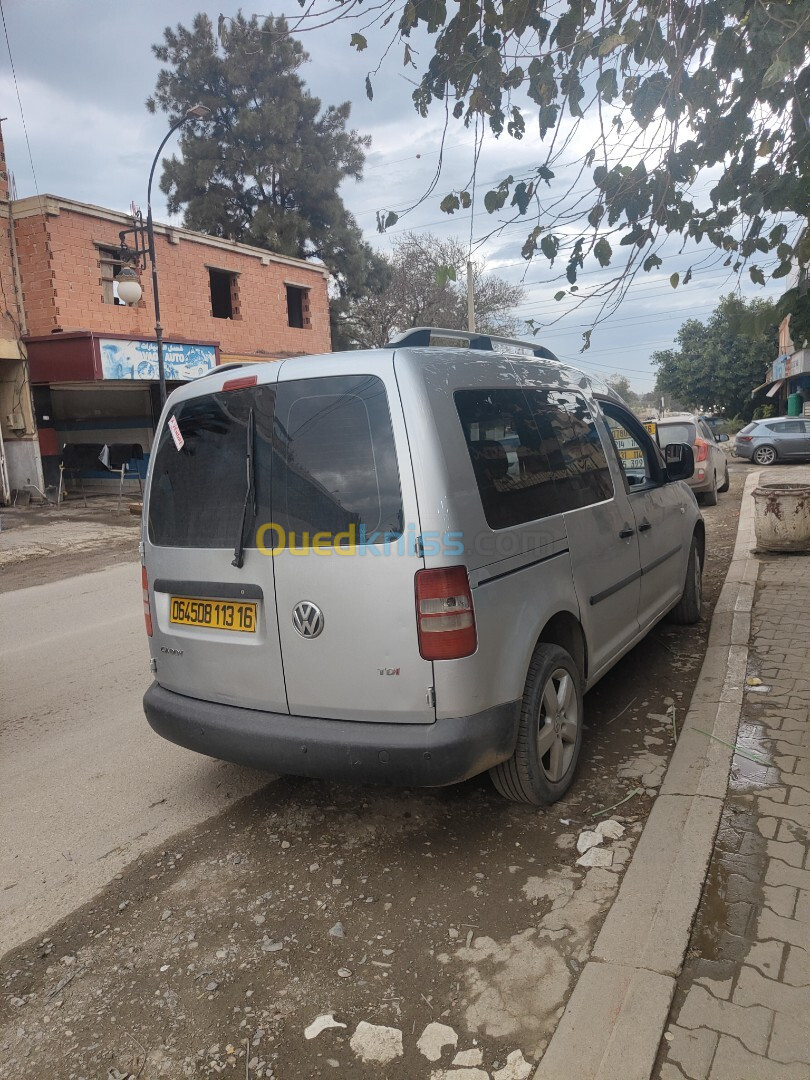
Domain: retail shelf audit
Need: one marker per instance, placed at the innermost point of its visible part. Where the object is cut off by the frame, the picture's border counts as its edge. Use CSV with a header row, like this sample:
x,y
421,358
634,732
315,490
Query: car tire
x,y
709,498
726,482
542,766
687,610
765,455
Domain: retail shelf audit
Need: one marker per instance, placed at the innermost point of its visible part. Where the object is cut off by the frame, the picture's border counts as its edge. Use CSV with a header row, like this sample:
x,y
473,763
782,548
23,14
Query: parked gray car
x,y
406,565
766,442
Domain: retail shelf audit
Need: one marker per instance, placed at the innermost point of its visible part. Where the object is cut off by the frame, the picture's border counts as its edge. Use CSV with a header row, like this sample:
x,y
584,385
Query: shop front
x,y
788,385
97,399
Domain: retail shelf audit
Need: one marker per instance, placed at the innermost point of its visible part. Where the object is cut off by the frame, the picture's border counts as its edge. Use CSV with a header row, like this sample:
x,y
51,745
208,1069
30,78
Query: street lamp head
x,y
129,287
198,112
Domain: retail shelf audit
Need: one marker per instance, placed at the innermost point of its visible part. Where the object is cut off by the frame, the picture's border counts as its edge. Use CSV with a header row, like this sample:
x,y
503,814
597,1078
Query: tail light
x,y
444,613
745,438
147,611
702,449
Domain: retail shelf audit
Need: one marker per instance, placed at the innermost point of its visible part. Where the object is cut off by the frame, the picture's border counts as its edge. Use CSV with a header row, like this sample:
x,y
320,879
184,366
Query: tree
x,y
265,168
718,363
692,120
427,287
621,384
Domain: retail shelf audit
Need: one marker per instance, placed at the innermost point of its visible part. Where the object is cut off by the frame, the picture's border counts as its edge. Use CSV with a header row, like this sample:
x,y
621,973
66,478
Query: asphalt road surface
x,y
85,784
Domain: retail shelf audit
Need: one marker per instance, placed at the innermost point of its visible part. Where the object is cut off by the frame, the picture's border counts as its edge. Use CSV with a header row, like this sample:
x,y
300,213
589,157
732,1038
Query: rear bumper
x,y
401,755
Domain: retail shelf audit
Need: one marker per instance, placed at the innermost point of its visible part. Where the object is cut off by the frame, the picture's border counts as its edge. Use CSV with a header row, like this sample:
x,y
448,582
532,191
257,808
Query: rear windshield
x,y
746,429
336,465
198,492
325,462
676,433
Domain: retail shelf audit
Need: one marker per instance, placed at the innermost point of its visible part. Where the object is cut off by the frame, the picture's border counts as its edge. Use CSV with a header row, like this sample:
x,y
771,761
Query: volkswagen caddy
x,y
406,565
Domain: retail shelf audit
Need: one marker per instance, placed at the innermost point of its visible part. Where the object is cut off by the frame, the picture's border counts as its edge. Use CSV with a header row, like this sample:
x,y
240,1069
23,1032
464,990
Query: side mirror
x,y
721,438
680,461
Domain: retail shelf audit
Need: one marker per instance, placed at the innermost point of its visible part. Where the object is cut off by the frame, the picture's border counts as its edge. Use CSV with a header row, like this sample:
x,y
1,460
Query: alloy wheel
x,y
558,725
765,455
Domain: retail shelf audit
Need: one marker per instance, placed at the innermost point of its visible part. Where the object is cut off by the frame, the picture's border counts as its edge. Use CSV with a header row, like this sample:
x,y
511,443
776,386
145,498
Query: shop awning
x,y
774,388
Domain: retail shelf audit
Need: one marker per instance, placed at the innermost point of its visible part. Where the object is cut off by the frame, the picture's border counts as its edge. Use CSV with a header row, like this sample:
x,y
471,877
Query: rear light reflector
x,y
240,383
147,611
444,614
702,449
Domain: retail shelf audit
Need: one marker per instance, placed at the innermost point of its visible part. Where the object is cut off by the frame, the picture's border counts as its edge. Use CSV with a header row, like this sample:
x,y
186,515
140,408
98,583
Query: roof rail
x,y
421,336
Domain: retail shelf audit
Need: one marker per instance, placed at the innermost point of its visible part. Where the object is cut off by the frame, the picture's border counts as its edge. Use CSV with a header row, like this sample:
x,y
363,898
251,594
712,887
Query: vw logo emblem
x,y
307,619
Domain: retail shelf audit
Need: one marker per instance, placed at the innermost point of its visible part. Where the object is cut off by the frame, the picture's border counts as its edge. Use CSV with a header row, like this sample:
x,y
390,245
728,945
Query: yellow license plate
x,y
215,614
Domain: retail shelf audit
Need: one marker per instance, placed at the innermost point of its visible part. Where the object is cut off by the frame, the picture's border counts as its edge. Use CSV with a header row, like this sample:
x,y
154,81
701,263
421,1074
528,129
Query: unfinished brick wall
x,y
8,307
60,265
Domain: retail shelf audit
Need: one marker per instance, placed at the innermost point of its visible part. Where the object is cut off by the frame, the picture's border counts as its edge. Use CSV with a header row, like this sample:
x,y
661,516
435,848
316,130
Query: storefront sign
x,y
129,359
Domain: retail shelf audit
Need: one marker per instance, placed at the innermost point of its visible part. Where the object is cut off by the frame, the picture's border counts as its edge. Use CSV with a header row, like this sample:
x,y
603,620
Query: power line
x,y
19,100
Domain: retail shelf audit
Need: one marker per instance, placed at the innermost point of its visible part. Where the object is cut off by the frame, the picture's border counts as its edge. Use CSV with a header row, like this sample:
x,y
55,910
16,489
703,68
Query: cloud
x,y
85,70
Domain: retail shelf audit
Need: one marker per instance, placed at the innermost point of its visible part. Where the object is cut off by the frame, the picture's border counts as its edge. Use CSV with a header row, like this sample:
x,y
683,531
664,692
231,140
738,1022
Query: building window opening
x,y
298,307
223,293
110,263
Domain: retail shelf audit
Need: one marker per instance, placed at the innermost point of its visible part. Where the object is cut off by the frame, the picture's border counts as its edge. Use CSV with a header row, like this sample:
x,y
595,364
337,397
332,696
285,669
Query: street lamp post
x,y
128,286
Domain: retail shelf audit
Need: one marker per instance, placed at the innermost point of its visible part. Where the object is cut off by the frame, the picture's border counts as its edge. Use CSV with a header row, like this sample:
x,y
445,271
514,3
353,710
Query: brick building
x,y
92,360
19,451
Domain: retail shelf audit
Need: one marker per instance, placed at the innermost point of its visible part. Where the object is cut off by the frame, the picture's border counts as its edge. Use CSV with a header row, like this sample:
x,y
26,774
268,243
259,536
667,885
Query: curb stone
x,y
613,1023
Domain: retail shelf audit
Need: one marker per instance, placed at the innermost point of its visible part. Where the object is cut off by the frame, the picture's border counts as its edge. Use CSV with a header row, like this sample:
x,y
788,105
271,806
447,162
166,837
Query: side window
x,y
508,456
639,457
579,466
534,453
708,431
789,427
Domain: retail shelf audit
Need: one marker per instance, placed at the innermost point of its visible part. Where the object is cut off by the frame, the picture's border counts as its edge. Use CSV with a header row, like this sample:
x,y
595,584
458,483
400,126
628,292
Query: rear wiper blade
x,y
250,496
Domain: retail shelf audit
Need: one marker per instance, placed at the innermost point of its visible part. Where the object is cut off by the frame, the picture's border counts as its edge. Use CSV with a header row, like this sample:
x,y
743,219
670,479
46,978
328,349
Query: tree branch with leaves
x,y
694,116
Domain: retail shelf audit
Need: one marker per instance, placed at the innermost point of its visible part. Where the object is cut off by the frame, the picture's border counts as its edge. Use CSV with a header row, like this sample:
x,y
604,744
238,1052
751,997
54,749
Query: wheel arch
x,y
564,629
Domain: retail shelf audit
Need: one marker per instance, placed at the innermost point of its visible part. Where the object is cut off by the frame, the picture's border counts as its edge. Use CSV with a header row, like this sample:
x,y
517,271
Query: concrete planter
x,y
782,517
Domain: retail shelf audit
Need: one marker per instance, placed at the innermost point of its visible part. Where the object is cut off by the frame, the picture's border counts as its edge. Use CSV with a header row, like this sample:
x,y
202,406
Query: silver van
x,y
407,565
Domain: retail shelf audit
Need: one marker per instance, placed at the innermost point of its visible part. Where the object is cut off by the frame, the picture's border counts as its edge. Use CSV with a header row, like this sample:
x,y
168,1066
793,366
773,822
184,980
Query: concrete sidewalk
x,y
742,1002
736,1006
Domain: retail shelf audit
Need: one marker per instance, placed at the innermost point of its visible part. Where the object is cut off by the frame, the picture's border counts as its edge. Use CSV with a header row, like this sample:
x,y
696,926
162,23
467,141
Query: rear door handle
x,y
626,534
644,526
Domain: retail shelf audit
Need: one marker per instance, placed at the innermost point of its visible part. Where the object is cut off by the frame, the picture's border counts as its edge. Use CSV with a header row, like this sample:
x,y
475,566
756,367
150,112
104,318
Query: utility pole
x,y
470,297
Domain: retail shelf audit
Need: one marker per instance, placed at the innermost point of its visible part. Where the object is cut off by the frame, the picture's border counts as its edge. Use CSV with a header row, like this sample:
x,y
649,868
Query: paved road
x,y
73,668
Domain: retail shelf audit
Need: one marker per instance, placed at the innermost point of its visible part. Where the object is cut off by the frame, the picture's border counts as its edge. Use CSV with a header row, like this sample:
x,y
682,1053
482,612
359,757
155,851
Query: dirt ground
x,y
39,544
384,907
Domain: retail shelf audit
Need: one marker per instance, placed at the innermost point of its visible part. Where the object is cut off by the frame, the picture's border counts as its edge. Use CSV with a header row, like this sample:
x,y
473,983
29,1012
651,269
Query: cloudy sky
x,y
85,68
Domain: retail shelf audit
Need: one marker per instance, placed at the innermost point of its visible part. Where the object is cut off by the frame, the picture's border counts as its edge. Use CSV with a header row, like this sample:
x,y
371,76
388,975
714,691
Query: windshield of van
x,y
324,462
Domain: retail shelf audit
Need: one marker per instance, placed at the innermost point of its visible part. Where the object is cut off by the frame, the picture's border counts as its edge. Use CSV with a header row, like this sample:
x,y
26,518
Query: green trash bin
x,y
794,404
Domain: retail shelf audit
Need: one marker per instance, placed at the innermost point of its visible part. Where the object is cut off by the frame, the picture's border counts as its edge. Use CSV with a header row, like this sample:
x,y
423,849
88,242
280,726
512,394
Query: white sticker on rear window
x,y
174,428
